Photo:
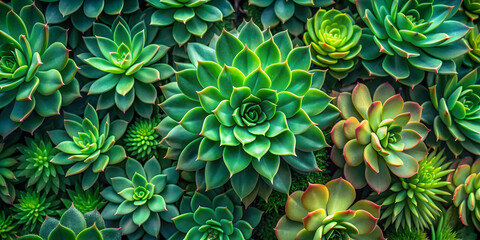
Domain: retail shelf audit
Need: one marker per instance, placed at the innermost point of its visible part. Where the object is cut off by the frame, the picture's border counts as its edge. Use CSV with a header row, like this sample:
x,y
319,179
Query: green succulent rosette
x,y
36,74
377,137
406,38
189,17
84,200
326,212
88,144
123,67
416,202
7,227
249,120
142,141
215,215
32,208
334,40
471,8
142,197
472,58
7,176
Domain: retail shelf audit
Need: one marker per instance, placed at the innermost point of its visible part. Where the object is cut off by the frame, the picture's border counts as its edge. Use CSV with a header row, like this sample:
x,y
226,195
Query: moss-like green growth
x,y
405,234
265,229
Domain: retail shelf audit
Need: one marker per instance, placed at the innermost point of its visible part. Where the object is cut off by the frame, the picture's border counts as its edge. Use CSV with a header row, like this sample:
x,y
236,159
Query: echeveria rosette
x,y
406,38
32,208
36,74
334,41
250,119
142,141
377,136
471,8
84,200
465,185
88,144
326,212
416,202
142,197
189,17
215,215
7,176
123,67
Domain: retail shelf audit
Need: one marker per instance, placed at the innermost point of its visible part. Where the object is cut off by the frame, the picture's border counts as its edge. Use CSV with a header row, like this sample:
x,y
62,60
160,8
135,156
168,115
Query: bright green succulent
x,y
334,40
7,227
189,18
35,165
142,197
88,144
32,208
214,215
472,59
416,202
124,67
84,200
405,38
326,212
74,225
248,111
7,161
377,137
142,141
36,75
471,8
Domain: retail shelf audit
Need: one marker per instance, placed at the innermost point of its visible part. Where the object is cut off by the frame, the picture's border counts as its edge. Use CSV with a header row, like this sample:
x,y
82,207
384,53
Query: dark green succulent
x,y
142,197
123,67
85,200
188,18
7,227
36,74
32,208
405,38
7,161
88,144
142,141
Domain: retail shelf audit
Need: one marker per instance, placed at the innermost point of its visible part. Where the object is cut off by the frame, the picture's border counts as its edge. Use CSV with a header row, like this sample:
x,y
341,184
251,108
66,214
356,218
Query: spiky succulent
x,y
35,165
74,225
88,144
415,202
32,208
36,75
189,17
377,137
248,111
124,67
85,200
7,161
142,197
214,215
142,140
326,212
453,110
334,40
405,38
7,227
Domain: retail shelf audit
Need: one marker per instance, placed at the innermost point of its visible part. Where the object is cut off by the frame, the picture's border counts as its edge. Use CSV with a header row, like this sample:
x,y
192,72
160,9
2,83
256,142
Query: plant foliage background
x,y
245,119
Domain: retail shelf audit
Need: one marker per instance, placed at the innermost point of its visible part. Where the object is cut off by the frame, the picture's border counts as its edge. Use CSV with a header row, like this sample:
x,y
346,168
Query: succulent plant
x,y
142,141
123,67
74,225
416,202
35,165
407,38
249,120
326,212
85,200
472,58
471,8
88,144
377,137
7,227
36,75
32,208
453,111
142,197
215,215
334,40
7,161
189,17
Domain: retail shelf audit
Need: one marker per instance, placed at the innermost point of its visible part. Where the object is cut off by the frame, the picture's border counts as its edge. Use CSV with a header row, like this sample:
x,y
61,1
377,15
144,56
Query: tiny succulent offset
x,y
84,200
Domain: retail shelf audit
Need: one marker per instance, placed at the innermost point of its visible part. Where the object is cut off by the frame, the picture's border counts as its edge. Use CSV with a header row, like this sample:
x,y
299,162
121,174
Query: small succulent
x,y
123,67
211,215
406,38
142,141
248,111
415,202
36,166
377,137
74,225
142,197
189,17
472,58
7,161
36,74
326,212
334,39
84,200
471,9
7,227
88,144
32,208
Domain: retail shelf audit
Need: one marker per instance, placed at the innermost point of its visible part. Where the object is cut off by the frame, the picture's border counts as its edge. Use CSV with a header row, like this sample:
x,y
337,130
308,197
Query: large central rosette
x,y
249,103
